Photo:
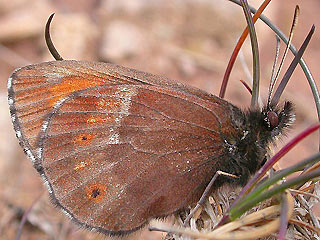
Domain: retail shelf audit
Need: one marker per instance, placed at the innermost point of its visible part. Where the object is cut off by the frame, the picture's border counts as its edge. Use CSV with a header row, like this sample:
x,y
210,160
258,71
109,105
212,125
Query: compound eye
x,y
273,119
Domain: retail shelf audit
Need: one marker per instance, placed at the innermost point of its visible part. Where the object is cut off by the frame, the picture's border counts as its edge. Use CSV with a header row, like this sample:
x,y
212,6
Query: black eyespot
x,y
95,193
273,119
84,138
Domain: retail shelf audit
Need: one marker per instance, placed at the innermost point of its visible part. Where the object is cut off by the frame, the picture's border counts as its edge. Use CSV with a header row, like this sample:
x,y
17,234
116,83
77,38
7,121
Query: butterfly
x,y
117,147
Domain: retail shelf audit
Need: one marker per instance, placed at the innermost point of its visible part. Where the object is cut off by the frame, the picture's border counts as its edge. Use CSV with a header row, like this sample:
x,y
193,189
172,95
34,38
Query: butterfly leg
x,y
205,194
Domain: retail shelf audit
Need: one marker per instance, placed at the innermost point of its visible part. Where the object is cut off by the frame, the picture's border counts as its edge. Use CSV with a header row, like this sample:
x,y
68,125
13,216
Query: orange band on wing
x,y
69,86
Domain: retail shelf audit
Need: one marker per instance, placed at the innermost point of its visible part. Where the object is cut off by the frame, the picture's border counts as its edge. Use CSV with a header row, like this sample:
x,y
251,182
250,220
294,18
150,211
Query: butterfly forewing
x,y
35,89
115,151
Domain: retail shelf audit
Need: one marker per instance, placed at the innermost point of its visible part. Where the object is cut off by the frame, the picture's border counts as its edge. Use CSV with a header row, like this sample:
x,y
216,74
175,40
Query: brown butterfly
x,y
117,147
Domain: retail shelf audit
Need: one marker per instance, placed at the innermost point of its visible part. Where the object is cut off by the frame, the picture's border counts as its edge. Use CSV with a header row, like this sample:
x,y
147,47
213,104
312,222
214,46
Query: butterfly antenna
x,y
49,42
272,81
293,27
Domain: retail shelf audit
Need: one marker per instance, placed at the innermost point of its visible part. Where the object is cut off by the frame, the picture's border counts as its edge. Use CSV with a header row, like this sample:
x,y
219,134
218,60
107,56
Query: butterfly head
x,y
267,126
257,131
